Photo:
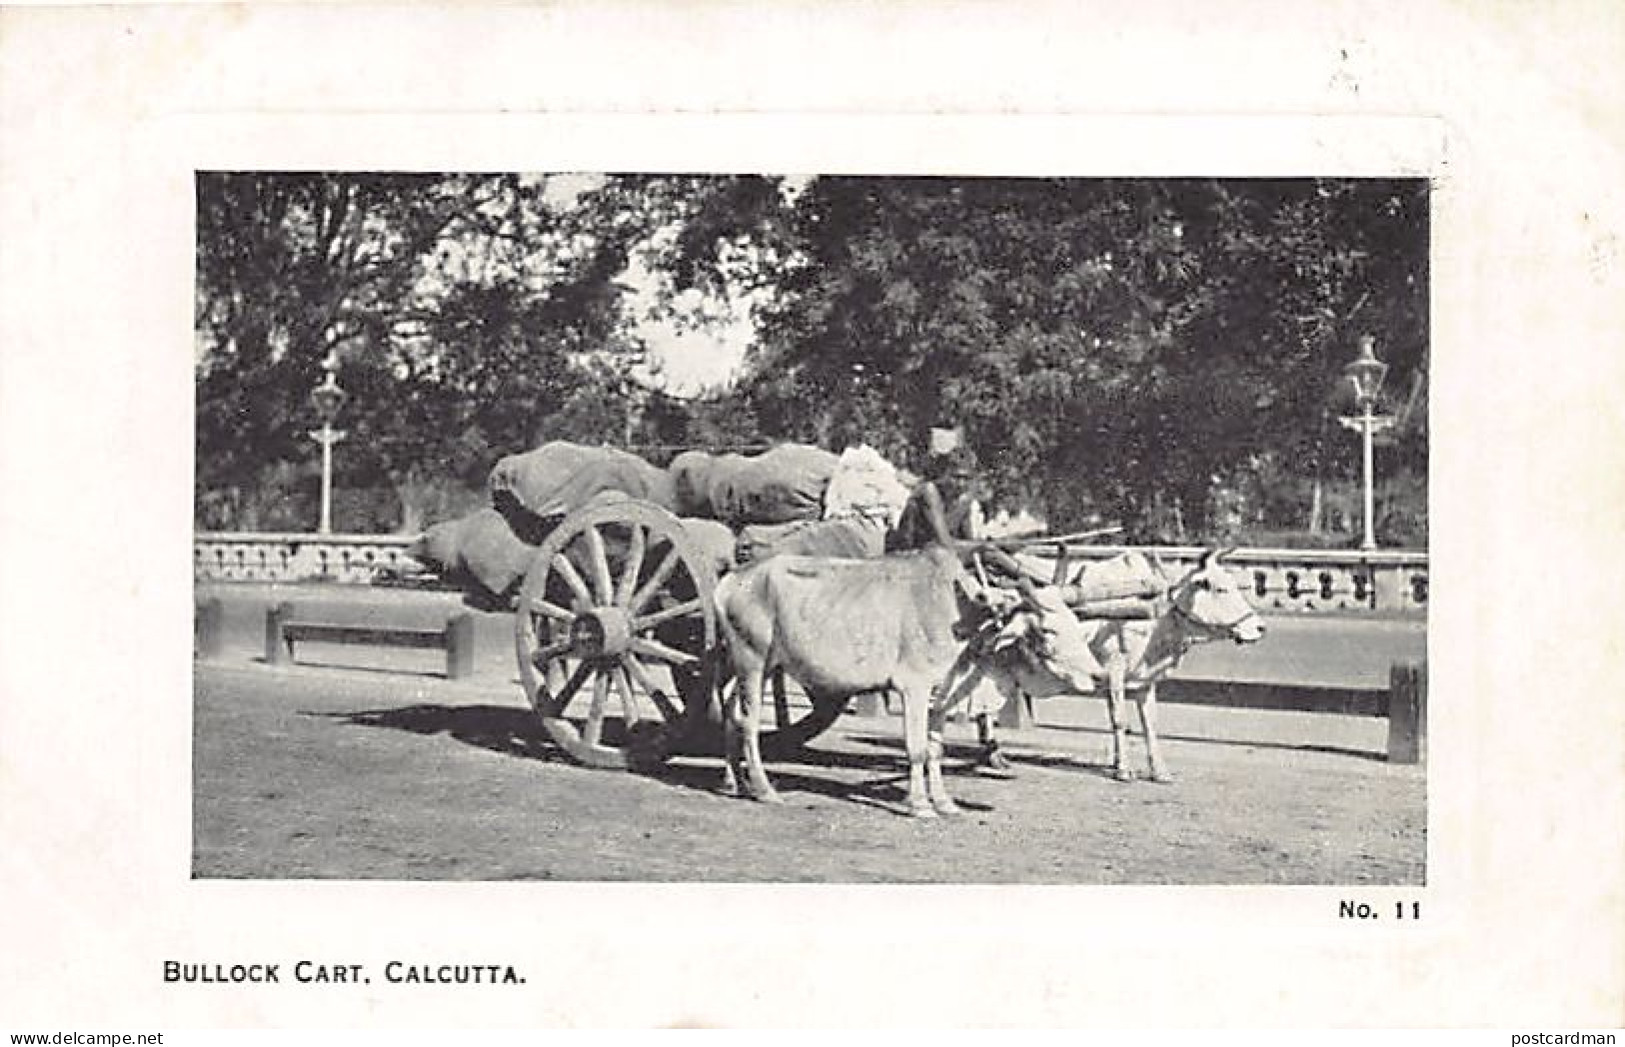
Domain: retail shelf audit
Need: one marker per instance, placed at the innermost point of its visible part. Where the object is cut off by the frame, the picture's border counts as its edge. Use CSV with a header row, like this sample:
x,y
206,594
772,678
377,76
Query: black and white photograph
x,y
815,515
1091,512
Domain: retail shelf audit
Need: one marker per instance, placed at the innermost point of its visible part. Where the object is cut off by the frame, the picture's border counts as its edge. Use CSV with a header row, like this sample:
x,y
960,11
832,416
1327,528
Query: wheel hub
x,y
603,632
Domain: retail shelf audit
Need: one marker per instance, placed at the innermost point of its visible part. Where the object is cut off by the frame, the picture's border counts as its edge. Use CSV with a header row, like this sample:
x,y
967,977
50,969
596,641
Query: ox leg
x,y
1118,715
990,756
750,692
1148,725
916,731
733,752
935,787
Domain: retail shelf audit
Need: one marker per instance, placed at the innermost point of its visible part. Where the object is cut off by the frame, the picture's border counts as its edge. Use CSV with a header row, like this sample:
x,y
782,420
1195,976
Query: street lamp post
x,y
1365,374
327,398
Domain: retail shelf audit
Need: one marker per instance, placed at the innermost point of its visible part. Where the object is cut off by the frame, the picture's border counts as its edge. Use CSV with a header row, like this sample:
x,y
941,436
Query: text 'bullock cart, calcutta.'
x,y
610,565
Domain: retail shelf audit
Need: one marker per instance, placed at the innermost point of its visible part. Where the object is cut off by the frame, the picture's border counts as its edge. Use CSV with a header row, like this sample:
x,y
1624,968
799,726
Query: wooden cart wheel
x,y
613,626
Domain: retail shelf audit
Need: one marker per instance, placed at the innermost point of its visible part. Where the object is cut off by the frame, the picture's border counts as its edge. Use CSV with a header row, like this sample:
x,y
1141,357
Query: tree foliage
x,y
1165,353
1111,348
470,314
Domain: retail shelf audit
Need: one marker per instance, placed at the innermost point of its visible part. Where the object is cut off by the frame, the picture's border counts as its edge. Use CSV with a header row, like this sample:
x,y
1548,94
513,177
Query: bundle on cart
x,y
740,509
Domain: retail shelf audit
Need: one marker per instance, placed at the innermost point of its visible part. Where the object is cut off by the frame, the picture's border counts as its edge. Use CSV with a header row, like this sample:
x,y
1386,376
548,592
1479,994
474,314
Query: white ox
x,y
900,623
1204,604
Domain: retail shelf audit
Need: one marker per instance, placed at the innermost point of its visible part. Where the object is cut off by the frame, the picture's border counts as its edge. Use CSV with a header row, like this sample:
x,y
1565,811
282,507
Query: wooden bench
x,y
1404,704
283,629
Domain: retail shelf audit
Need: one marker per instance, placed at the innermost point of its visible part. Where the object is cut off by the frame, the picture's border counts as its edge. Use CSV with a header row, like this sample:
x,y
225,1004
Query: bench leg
x,y
460,646
208,630
1407,713
278,650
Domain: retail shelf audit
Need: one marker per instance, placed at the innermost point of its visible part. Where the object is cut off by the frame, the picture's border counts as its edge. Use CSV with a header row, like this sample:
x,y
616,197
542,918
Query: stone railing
x,y
351,558
1290,580
1305,580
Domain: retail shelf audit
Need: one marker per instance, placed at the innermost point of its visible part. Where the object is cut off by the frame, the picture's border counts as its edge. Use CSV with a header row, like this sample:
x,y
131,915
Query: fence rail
x,y
1292,580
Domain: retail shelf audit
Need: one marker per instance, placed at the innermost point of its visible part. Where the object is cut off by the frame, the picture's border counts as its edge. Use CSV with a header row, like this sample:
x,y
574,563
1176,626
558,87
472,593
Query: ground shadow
x,y
505,729
884,784
1244,743
515,731
1069,764
960,758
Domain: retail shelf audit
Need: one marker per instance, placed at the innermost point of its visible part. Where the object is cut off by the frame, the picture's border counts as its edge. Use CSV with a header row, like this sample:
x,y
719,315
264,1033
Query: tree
x,y
292,267
1163,353
472,317
1132,349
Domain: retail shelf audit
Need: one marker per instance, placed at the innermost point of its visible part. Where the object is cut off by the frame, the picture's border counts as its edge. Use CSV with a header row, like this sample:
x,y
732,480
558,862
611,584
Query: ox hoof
x,y
769,796
921,810
1123,774
994,760
948,808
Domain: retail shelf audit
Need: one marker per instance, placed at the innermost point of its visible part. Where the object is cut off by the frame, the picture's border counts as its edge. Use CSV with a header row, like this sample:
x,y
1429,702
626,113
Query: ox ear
x,y
1212,557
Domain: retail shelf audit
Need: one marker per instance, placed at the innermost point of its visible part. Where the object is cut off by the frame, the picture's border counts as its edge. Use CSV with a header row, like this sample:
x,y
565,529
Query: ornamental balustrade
x,y
1304,580
354,559
1284,580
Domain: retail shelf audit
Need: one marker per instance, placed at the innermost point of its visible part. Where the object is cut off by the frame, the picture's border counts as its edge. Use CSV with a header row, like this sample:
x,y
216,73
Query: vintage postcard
x,y
650,553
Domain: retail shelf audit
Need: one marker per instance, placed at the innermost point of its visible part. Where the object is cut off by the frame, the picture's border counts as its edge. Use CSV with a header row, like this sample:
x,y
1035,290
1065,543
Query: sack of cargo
x,y
783,485
559,477
849,538
713,540
865,484
480,547
690,474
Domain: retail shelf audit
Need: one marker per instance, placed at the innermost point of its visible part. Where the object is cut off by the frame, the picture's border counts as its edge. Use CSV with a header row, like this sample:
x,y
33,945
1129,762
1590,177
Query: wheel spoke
x,y
629,701
556,675
598,564
682,610
545,655
656,580
634,564
595,712
656,649
550,610
641,675
572,577
568,691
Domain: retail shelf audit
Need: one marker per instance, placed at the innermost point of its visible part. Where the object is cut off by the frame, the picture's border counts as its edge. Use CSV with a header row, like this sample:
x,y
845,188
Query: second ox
x,y
1202,605
901,623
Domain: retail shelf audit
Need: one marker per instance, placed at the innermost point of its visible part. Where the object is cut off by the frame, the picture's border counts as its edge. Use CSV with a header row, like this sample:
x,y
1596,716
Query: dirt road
x,y
315,773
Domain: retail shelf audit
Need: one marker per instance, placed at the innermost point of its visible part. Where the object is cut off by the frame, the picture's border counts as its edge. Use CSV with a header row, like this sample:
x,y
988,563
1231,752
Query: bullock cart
x,y
615,624
616,637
